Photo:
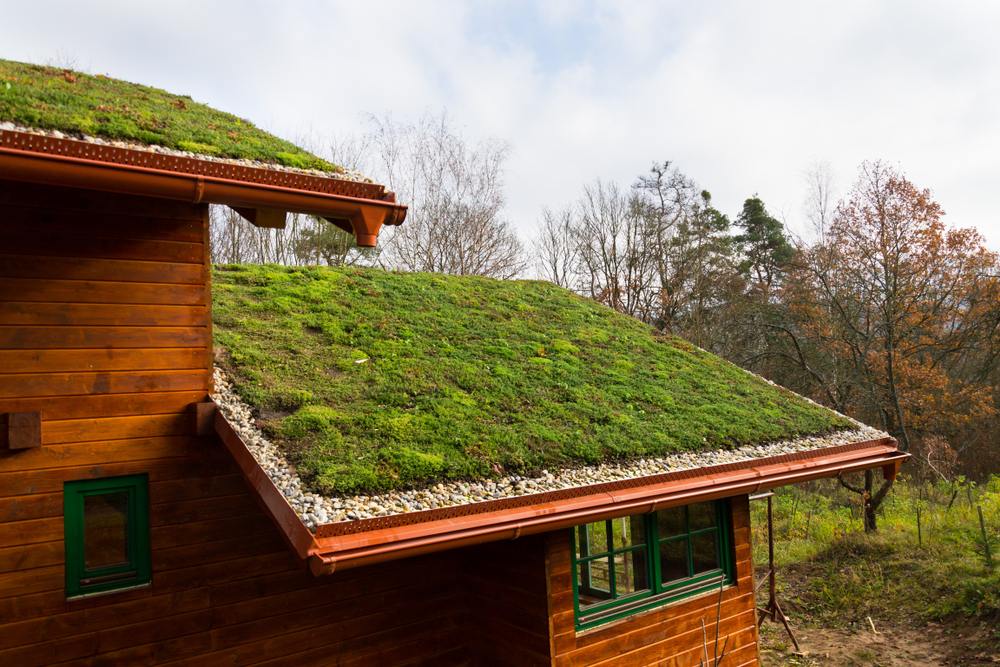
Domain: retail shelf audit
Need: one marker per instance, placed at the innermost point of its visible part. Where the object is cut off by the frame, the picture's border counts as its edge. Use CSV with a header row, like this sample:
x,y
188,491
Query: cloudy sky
x,y
741,96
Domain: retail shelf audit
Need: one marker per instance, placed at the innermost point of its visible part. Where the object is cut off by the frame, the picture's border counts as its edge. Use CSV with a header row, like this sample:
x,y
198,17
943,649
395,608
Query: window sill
x,y
602,619
123,589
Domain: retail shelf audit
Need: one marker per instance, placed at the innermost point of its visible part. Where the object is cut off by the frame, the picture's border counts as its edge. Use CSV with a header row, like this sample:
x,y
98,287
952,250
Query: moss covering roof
x,y
376,380
51,98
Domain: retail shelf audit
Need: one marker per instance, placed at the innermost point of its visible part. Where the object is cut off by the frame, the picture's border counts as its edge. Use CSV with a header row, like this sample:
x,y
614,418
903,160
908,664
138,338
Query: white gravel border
x,y
315,509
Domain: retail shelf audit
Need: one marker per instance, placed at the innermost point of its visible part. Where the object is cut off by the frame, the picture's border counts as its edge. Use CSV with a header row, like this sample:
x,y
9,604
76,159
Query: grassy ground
x,y
934,587
375,380
72,102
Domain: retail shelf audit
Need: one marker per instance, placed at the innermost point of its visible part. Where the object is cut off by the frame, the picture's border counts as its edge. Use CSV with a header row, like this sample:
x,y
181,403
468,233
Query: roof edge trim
x,y
324,555
366,216
298,538
761,474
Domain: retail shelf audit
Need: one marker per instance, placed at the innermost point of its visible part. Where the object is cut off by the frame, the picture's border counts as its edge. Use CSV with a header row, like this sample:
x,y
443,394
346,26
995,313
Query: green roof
x,y
51,98
376,380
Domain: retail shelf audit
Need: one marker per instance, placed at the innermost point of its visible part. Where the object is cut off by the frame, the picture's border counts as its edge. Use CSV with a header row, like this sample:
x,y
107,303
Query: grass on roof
x,y
51,98
376,380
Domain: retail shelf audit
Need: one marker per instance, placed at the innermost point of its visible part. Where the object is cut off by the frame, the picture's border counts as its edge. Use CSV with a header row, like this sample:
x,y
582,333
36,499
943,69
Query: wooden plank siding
x,y
105,327
669,635
507,605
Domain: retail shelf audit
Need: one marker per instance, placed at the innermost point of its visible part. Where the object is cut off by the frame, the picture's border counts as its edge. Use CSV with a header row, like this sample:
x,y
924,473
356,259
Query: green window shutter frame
x,y
658,594
133,573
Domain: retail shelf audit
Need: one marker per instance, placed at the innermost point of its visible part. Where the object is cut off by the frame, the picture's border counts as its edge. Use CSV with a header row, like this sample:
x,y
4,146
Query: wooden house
x,y
136,527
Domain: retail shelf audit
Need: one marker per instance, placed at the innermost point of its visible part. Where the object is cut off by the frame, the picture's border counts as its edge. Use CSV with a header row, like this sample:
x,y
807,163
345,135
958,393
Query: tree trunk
x,y
870,501
870,525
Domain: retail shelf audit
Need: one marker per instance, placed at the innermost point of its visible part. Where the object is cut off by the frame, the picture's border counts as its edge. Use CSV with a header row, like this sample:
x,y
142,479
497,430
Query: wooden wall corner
x,y
202,418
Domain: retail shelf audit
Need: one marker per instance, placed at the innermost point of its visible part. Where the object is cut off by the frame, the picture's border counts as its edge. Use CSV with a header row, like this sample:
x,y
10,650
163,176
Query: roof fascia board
x,y
324,555
369,549
366,216
268,496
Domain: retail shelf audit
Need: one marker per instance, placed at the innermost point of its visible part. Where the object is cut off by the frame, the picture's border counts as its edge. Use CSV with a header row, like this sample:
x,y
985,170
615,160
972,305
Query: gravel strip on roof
x,y
346,175
315,509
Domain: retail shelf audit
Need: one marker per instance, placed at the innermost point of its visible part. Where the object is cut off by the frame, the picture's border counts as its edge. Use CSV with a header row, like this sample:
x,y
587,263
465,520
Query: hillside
x,y
379,380
74,103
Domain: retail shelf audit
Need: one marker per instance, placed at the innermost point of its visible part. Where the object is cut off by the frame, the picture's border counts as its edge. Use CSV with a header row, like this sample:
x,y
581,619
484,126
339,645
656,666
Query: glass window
x,y
107,534
635,562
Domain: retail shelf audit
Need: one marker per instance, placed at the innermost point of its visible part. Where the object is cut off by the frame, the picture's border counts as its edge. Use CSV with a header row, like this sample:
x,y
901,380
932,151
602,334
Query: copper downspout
x,y
366,216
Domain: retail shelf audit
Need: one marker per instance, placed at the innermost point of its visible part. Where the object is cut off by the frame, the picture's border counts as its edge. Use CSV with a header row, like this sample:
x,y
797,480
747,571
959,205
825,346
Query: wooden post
x,y
920,539
986,542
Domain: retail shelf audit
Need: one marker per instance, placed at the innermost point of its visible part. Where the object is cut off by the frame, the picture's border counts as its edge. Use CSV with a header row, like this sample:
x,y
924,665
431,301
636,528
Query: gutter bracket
x,y
267,218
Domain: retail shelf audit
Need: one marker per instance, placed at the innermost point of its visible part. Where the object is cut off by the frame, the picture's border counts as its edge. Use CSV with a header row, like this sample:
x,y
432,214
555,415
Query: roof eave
x,y
361,216
758,475
418,533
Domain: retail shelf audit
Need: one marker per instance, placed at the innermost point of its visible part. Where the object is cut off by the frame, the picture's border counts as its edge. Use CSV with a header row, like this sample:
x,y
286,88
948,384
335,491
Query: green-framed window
x,y
624,565
107,534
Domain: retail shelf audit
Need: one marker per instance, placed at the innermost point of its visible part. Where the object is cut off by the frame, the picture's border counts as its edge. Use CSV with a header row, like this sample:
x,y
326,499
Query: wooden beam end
x,y
24,430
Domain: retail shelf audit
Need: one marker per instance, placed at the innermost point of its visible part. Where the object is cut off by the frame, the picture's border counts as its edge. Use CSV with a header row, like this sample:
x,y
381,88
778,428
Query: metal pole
x,y
770,558
773,609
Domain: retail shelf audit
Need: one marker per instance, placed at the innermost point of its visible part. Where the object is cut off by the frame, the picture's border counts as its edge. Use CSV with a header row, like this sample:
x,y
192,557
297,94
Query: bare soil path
x,y
909,642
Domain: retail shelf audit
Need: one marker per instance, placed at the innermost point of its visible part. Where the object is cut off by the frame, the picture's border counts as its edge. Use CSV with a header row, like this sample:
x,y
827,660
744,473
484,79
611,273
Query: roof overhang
x,y
257,194
353,543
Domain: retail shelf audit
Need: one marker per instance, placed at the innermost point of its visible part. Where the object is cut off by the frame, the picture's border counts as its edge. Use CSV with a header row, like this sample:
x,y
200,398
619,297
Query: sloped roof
x,y
98,107
375,381
396,381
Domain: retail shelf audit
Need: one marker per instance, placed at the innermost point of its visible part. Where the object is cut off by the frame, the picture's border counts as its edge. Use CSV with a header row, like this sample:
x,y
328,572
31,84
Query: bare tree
x,y
820,201
555,252
456,221
236,241
615,249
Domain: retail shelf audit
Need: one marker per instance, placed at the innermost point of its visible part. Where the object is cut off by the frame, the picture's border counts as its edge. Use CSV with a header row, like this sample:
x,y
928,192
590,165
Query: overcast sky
x,y
741,96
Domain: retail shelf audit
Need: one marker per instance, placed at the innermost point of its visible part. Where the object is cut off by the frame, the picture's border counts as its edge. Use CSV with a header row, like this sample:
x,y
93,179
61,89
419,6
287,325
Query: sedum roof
x,y
85,106
371,381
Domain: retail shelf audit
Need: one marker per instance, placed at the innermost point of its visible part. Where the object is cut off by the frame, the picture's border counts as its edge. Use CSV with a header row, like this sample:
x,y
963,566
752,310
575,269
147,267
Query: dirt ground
x,y
909,642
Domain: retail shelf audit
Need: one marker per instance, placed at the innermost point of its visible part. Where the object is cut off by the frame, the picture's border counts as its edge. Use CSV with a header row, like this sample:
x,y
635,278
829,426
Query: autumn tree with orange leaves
x,y
894,319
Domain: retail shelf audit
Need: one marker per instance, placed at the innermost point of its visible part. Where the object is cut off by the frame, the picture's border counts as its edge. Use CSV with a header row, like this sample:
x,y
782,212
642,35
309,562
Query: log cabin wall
x,y
668,635
105,329
507,604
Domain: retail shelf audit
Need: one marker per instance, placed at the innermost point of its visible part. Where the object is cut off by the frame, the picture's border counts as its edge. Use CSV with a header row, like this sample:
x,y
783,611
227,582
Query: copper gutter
x,y
423,532
387,544
362,216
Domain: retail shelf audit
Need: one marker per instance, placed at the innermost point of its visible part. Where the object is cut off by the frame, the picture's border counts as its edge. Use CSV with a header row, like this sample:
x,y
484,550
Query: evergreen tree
x,y
763,244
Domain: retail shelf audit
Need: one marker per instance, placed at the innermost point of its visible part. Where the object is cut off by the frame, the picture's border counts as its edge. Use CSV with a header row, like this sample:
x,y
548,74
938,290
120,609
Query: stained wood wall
x,y
507,603
669,635
105,328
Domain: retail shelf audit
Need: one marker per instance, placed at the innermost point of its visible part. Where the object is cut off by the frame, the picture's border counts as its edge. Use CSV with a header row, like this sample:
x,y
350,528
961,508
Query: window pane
x,y
593,539
701,515
673,561
629,531
105,530
670,522
594,581
705,552
630,573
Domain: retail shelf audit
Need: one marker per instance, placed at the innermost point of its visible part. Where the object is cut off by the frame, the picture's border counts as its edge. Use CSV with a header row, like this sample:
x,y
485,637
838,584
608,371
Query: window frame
x,y
136,573
658,594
